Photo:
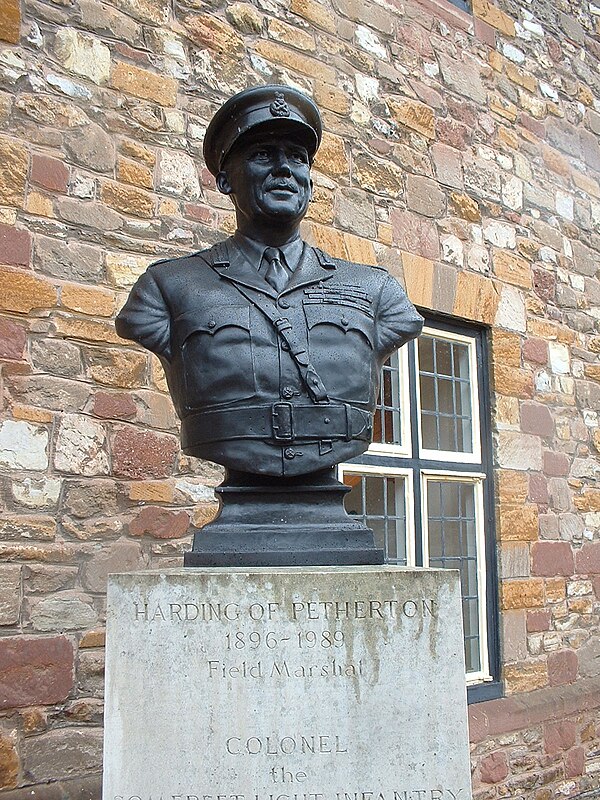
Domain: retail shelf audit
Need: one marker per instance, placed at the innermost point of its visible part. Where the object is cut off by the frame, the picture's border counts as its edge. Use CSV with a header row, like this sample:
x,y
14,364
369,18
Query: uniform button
x,y
289,453
283,303
285,346
344,321
288,392
211,323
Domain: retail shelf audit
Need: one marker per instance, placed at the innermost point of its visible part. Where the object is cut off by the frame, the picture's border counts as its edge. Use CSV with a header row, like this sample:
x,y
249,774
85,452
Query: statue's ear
x,y
223,184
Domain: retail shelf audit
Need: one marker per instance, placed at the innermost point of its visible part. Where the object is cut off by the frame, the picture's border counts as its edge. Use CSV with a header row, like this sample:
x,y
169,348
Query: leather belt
x,y
281,423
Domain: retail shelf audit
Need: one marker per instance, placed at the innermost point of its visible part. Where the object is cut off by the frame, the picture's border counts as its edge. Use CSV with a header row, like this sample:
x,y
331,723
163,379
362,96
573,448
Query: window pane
x,y
453,545
379,502
387,428
445,394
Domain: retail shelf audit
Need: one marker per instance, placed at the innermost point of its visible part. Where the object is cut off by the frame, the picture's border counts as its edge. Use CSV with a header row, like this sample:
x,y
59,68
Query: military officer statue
x,y
272,349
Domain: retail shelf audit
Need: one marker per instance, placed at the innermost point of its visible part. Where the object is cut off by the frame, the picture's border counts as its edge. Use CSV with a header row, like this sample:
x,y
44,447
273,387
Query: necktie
x,y
276,274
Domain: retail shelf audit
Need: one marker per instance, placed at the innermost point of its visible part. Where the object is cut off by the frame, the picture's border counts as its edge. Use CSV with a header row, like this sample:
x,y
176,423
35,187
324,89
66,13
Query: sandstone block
x,y
587,560
178,174
10,21
476,298
493,768
13,338
87,300
575,762
160,523
10,595
316,13
15,246
332,158
114,405
81,446
144,84
89,498
36,493
121,368
465,207
519,524
23,445
87,330
152,492
551,558
512,487
9,757
294,37
522,594
245,17
61,754
128,199
448,165
424,196
414,115
332,98
67,260
414,234
512,269
506,349
35,670
493,16
65,611
562,667
15,526
91,146
536,419
214,33
122,556
538,621
84,55
297,62
463,77
14,164
418,279
129,171
525,676
142,454
378,176
49,173
91,214
124,269
519,451
23,292
513,382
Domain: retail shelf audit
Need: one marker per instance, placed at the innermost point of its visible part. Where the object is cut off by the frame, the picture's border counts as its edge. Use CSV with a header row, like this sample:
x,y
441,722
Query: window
x,y
425,485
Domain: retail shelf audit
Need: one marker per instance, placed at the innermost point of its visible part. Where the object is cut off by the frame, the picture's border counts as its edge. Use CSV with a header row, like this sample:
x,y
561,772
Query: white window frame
x,y
404,449
409,497
379,460
449,455
476,479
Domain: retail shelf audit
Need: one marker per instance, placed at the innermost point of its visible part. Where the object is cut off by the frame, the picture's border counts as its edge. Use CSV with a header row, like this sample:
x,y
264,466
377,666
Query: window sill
x,y
481,692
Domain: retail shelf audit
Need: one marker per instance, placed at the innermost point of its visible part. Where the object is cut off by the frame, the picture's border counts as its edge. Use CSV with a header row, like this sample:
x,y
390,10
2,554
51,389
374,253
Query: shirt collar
x,y
253,250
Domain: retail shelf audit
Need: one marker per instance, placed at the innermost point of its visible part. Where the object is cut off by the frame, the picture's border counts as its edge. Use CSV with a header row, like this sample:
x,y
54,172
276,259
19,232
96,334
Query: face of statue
x,y
268,178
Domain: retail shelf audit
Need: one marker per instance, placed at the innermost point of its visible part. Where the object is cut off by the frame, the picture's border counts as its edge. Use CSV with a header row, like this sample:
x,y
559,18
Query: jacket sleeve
x,y
397,320
145,318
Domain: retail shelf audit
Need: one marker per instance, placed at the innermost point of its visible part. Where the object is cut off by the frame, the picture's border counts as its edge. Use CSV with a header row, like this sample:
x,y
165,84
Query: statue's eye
x,y
261,154
300,156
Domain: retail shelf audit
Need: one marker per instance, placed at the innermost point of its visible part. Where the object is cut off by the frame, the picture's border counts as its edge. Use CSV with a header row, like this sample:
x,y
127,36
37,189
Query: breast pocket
x,y
341,345
217,356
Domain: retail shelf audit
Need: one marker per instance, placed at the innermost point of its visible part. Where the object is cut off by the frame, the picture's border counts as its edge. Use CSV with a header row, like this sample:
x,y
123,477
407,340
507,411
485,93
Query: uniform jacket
x,y
243,399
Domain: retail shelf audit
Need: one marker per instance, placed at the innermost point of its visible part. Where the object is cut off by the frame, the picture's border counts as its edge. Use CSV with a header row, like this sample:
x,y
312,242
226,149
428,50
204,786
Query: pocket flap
x,y
211,321
345,318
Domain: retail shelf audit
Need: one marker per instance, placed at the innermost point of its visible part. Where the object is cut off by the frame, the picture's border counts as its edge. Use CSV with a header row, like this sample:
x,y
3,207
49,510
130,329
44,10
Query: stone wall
x,y
460,151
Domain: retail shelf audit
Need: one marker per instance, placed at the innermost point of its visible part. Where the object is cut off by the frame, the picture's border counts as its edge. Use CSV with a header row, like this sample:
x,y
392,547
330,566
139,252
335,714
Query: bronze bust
x,y
272,349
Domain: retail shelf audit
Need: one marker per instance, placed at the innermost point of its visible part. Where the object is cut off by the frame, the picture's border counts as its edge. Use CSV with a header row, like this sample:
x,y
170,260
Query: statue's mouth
x,y
283,187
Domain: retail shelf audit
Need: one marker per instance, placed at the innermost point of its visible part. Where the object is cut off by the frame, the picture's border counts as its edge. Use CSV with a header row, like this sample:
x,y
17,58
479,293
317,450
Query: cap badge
x,y
279,108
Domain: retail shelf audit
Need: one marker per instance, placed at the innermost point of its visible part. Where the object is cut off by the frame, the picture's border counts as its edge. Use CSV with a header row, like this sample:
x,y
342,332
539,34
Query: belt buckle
x,y
282,422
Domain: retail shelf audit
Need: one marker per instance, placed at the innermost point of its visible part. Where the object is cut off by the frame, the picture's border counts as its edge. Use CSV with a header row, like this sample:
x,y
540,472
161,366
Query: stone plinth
x,y
286,684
